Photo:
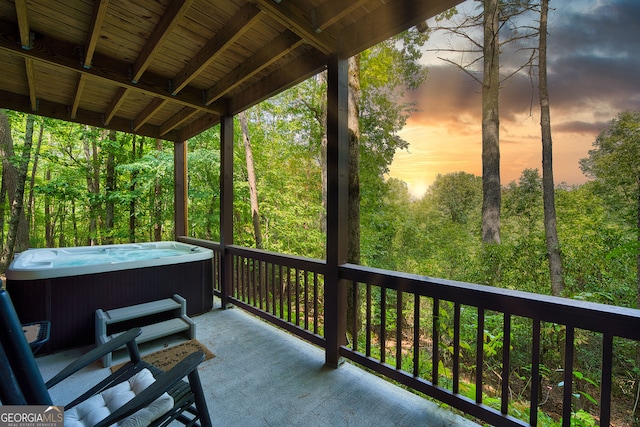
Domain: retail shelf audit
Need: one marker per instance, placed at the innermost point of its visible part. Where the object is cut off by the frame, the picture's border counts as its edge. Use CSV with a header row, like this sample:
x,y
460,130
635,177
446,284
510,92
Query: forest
x,y
87,186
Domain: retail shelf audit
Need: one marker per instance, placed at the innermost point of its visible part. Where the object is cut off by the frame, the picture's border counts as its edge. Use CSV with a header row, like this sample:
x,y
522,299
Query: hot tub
x,y
67,285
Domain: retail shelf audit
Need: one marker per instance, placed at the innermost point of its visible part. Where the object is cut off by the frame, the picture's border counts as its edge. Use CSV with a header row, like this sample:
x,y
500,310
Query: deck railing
x,y
453,341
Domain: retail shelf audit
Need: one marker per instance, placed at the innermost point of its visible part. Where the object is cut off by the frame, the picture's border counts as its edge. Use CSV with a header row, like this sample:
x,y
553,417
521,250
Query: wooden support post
x,y
337,208
226,206
180,189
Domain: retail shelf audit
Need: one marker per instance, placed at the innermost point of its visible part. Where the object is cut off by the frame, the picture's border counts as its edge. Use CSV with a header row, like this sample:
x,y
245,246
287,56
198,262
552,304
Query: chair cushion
x,y
98,407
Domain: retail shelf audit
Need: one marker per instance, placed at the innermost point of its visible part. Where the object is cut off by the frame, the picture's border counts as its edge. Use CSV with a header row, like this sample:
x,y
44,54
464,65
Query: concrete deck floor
x,y
262,376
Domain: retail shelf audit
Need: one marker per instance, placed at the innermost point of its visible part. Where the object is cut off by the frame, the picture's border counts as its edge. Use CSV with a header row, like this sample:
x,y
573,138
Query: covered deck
x,y
172,69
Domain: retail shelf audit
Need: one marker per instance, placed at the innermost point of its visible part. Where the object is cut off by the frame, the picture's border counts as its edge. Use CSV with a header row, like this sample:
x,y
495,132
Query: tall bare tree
x,y
110,188
548,187
132,189
157,197
353,245
251,178
93,183
32,181
491,199
495,17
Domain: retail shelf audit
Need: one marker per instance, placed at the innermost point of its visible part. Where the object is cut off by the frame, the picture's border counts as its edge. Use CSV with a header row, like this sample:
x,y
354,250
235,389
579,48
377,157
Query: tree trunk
x,y
93,186
17,205
157,199
74,222
62,217
491,125
322,118
30,206
548,187
132,189
251,177
353,245
110,188
48,223
6,143
3,202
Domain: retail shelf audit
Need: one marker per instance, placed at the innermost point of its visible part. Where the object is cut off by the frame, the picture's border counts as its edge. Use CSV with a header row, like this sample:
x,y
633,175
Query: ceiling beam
x,y
152,108
274,50
76,99
289,75
61,55
224,38
199,125
177,119
291,17
31,80
115,104
168,21
99,12
54,110
22,13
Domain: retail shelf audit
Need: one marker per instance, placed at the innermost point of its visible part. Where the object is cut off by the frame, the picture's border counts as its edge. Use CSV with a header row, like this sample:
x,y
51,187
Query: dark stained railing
x,y
452,341
285,290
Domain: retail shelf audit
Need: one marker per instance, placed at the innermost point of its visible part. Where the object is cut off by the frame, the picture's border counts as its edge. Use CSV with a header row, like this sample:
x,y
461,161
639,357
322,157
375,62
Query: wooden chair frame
x,y
22,384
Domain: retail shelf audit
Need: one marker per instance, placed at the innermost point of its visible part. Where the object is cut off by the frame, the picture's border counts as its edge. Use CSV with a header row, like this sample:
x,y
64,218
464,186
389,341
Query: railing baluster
x,y
506,368
274,308
605,380
281,284
306,300
315,303
435,358
274,290
354,316
479,354
234,280
245,280
241,283
416,335
383,324
368,322
239,264
262,271
260,284
254,282
289,305
267,290
297,297
568,376
456,348
399,329
535,373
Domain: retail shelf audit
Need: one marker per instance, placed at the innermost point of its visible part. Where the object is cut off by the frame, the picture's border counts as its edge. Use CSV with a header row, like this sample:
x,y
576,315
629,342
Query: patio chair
x,y
133,396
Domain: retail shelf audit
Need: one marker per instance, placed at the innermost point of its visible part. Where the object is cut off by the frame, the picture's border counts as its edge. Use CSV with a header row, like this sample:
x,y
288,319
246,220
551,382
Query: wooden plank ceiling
x,y
170,68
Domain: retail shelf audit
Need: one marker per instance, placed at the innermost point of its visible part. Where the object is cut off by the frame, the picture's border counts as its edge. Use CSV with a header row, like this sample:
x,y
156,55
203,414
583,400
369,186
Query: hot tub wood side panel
x,y
70,302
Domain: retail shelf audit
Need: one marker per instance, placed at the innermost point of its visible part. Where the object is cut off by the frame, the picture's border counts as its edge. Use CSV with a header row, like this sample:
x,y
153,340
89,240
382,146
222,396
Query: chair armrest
x,y
128,339
164,382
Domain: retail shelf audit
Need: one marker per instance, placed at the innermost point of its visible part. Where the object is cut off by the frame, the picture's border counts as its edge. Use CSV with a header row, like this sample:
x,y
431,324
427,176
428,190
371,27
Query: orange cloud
x,y
445,135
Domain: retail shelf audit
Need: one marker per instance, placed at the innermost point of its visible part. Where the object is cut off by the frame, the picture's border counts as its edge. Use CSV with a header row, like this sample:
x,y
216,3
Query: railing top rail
x,y
293,261
209,244
617,321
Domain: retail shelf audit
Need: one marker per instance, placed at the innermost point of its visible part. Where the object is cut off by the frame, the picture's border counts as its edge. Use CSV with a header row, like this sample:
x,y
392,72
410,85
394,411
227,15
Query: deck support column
x,y
337,207
226,206
180,188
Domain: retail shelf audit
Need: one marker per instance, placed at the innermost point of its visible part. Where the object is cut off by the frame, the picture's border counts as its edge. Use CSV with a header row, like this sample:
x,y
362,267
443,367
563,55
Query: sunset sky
x,y
593,71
